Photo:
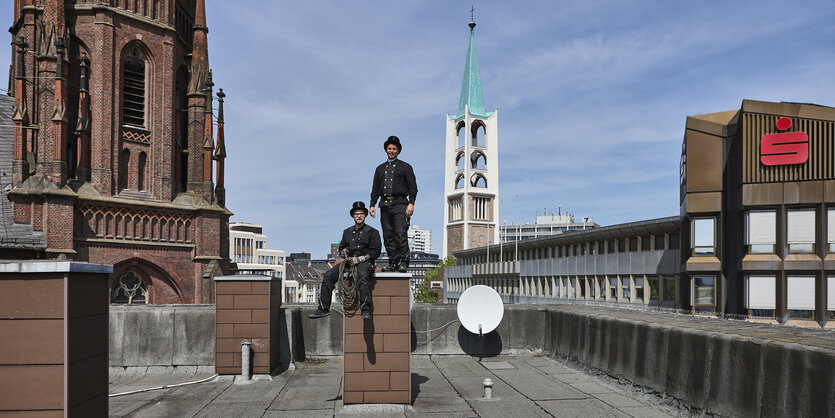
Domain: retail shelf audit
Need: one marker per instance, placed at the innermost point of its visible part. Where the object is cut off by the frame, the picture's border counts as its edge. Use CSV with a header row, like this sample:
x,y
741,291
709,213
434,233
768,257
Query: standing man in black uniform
x,y
360,246
394,184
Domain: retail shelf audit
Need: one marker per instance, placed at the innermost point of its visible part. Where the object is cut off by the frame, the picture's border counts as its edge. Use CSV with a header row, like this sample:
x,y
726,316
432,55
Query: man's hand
x,y
410,209
352,261
371,211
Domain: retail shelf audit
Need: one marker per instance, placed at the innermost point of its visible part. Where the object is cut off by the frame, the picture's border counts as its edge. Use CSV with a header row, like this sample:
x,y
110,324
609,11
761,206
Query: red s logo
x,y
784,148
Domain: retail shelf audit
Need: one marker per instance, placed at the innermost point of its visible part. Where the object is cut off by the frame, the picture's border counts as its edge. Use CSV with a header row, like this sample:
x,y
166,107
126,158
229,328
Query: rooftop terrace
x,y
448,386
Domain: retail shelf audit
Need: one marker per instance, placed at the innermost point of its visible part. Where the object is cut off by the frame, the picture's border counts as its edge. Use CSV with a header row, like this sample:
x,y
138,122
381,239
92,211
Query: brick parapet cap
x,y
246,278
389,276
53,267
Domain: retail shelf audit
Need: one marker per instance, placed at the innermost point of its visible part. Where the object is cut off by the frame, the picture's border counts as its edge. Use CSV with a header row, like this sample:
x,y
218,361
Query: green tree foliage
x,y
423,293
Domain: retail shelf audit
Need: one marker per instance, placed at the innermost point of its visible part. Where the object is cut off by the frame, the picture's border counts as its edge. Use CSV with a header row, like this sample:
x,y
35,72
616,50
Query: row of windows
x,y
761,295
243,250
270,259
761,232
635,289
614,246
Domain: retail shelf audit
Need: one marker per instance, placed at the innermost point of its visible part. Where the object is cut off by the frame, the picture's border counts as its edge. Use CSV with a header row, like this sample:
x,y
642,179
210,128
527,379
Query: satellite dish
x,y
480,309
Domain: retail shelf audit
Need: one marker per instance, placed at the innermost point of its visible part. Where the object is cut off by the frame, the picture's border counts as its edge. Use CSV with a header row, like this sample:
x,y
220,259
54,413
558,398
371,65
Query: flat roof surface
x,y
443,386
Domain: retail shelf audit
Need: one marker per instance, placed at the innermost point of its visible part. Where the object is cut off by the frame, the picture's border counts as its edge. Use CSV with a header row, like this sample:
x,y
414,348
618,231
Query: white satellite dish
x,y
480,309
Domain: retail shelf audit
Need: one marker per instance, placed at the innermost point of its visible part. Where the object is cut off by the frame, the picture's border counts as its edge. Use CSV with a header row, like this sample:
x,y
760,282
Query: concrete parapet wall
x,y
162,335
723,367
731,368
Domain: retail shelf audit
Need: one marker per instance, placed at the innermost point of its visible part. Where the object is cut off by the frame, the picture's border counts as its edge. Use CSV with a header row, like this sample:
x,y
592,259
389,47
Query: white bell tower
x,y
471,176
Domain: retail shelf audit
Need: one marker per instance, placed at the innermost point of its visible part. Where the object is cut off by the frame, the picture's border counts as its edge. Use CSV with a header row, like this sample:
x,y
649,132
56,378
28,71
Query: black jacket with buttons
x,y
363,241
395,179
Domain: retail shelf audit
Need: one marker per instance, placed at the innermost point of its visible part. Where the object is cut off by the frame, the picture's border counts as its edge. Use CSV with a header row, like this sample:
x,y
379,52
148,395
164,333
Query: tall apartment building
x,y
420,240
248,247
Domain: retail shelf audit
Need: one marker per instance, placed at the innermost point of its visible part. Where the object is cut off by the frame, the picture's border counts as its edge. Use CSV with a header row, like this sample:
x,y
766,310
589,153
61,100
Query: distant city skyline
x,y
593,99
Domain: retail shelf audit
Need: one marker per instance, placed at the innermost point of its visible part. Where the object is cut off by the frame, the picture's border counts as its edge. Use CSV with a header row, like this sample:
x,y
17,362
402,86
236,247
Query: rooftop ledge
x,y
14,266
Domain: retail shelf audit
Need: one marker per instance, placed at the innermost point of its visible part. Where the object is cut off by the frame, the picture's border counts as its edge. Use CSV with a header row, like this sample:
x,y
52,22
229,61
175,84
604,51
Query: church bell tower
x,y
471,166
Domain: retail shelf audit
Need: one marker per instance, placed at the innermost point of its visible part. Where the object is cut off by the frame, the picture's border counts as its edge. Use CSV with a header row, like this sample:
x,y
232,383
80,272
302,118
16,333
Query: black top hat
x,y
359,206
393,140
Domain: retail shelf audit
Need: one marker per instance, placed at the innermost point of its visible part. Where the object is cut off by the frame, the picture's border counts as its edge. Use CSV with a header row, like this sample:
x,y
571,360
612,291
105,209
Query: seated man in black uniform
x,y
360,246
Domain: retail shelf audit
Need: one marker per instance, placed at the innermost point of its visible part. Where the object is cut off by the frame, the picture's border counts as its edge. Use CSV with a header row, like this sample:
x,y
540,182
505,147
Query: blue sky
x,y
592,98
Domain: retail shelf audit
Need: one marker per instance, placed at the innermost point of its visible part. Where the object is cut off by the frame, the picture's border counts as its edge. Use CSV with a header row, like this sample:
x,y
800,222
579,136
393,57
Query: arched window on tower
x,y
479,135
459,161
459,181
133,90
460,132
130,289
124,166
140,175
478,160
478,180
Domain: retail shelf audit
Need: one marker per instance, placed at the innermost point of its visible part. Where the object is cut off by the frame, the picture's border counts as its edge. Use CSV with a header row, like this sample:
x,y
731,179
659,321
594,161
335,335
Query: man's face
x,y
392,151
359,217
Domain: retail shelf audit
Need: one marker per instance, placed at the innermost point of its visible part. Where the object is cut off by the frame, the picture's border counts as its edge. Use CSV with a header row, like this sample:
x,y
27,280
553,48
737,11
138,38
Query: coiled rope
x,y
348,290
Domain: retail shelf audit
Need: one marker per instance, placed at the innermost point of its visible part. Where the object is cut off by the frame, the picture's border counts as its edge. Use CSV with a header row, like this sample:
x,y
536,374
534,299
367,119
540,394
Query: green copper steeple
x,y
471,93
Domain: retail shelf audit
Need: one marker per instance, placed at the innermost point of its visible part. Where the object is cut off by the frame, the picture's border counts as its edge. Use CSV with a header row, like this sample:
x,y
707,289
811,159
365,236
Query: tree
x,y
423,293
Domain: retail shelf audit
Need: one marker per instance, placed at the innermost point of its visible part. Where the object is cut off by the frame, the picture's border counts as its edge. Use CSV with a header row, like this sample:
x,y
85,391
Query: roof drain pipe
x,y
488,388
246,361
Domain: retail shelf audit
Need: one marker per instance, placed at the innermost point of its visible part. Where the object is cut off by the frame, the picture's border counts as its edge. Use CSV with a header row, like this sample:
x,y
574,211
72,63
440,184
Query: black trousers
x,y
364,271
395,225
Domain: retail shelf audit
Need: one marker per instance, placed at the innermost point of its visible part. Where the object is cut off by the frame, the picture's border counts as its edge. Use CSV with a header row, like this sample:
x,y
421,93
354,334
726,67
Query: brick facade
x,y
377,358
247,311
113,107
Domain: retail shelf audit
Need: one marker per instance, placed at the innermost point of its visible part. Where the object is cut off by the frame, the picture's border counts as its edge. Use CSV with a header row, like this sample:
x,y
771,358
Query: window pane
x,y
703,232
633,244
801,292
669,288
761,292
703,290
674,242
639,288
645,243
654,290
830,294
762,228
659,242
830,228
625,286
801,228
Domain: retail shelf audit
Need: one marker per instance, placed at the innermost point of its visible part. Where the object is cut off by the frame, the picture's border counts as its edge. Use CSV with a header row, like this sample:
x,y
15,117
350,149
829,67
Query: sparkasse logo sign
x,y
784,148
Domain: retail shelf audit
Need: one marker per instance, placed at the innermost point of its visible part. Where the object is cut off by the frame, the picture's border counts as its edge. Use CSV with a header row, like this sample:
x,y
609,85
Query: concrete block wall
x,y
162,335
377,360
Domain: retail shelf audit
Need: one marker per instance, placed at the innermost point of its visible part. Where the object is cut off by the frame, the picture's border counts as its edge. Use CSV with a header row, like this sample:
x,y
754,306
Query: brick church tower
x,y
114,146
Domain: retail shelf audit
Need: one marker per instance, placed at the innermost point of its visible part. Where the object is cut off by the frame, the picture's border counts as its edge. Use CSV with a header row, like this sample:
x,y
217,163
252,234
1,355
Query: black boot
x,y
392,266
320,313
403,266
